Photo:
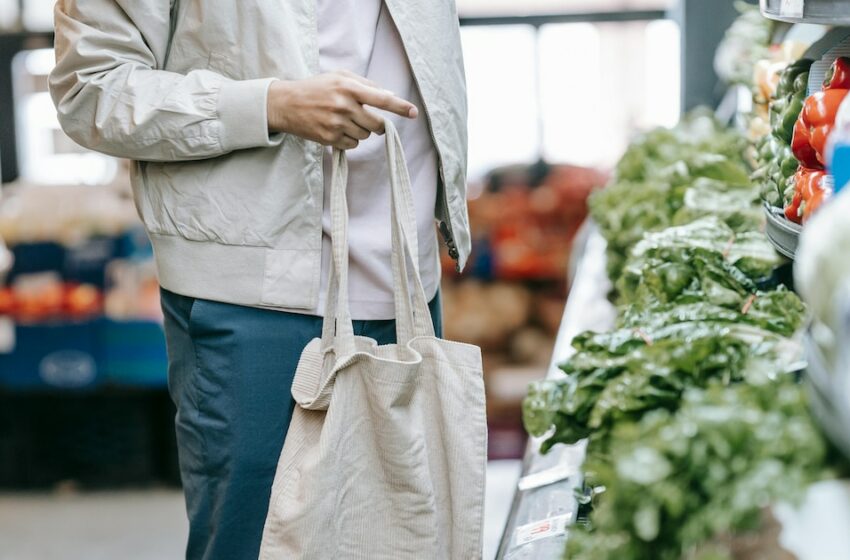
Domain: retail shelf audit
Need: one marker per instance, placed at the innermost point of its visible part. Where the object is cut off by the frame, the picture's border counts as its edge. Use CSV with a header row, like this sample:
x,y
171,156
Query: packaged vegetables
x,y
694,419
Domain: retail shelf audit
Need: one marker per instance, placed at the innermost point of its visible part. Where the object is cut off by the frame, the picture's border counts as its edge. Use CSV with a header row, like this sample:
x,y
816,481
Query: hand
x,y
329,108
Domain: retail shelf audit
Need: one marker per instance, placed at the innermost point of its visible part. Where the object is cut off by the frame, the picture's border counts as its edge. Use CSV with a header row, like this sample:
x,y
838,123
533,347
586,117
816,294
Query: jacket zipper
x,y
445,228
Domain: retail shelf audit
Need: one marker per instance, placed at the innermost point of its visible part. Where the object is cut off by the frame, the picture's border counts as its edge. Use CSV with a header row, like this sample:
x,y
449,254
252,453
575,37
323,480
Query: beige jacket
x,y
179,86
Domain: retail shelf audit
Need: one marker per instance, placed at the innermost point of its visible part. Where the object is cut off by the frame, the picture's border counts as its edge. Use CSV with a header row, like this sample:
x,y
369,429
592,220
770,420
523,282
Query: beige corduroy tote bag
x,y
386,454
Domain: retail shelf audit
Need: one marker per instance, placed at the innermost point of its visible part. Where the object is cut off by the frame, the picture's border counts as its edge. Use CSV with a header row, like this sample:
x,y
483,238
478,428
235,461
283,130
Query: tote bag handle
x,y
413,318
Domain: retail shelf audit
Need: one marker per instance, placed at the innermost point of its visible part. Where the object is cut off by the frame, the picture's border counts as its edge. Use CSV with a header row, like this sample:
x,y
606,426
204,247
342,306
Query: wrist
x,y
279,92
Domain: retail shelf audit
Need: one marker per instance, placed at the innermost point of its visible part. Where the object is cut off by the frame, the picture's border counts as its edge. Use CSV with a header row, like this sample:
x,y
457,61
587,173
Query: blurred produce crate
x,y
85,261
134,353
53,356
525,219
84,355
36,257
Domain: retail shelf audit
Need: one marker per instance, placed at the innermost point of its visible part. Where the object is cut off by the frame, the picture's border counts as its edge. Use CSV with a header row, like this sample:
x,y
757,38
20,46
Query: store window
x,y
572,93
503,111
46,156
10,13
37,15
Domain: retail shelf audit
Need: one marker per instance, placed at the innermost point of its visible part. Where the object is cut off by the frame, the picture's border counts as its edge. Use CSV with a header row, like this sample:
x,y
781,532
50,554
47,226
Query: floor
x,y
151,525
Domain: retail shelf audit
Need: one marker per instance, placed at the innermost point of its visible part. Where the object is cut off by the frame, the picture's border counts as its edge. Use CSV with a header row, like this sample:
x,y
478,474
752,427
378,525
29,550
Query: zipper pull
x,y
450,242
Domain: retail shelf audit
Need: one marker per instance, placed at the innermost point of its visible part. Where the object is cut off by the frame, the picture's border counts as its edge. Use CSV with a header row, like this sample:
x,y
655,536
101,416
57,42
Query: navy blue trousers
x,y
230,374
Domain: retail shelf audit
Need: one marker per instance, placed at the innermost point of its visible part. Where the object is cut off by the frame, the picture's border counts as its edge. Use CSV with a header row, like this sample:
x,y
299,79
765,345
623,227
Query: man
x,y
229,110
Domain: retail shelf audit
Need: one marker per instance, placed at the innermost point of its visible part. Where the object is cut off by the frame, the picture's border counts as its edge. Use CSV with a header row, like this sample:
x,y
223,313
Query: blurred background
x,y
557,88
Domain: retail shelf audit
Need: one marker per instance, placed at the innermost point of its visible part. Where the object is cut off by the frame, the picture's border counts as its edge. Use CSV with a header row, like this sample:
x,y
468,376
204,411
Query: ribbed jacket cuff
x,y
242,111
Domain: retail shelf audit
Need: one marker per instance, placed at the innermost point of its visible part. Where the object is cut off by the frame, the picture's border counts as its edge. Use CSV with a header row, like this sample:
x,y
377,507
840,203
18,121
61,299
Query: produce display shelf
x,y
782,232
544,505
826,12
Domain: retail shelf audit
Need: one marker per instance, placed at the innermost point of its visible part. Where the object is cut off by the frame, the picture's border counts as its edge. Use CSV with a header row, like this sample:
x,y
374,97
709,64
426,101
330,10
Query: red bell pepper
x,y
801,146
814,126
808,194
792,211
814,203
838,75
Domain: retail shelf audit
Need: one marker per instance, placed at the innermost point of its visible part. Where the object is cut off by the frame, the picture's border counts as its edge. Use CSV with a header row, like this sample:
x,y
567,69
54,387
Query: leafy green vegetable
x,y
624,374
624,211
778,311
704,260
693,316
738,207
697,133
671,176
674,481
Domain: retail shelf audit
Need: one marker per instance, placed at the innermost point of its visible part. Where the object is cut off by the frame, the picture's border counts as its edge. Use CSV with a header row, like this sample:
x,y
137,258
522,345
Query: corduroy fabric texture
x,y
386,453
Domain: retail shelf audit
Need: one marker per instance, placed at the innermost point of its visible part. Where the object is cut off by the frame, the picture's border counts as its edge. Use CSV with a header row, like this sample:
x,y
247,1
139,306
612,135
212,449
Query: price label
x,y
549,476
791,8
551,527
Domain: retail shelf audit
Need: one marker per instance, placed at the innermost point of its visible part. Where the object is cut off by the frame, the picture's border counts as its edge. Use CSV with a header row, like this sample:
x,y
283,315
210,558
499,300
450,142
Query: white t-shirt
x,y
360,36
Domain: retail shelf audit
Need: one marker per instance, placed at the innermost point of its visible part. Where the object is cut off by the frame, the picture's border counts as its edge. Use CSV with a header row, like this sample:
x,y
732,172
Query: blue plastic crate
x,y
84,262
134,244
53,356
37,257
134,353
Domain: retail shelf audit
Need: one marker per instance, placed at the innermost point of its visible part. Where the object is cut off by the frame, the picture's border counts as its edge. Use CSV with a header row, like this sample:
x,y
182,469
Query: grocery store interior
x,y
659,284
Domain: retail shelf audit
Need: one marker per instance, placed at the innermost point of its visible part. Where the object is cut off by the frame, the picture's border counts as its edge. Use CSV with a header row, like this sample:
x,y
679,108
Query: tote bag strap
x,y
413,318
337,328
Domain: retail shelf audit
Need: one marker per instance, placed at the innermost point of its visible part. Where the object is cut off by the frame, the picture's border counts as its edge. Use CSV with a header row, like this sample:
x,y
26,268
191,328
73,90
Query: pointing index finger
x,y
383,99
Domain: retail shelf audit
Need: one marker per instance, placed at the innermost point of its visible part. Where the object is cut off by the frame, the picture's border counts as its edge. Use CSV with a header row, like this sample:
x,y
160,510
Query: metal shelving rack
x,y
784,234
826,12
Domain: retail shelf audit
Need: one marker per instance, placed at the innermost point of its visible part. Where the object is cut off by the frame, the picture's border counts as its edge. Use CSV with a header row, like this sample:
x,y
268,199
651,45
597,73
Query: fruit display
x,y
48,299
524,221
691,407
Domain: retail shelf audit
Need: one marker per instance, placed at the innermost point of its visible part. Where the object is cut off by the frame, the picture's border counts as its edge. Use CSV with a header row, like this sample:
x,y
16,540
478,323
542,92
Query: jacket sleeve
x,y
112,97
